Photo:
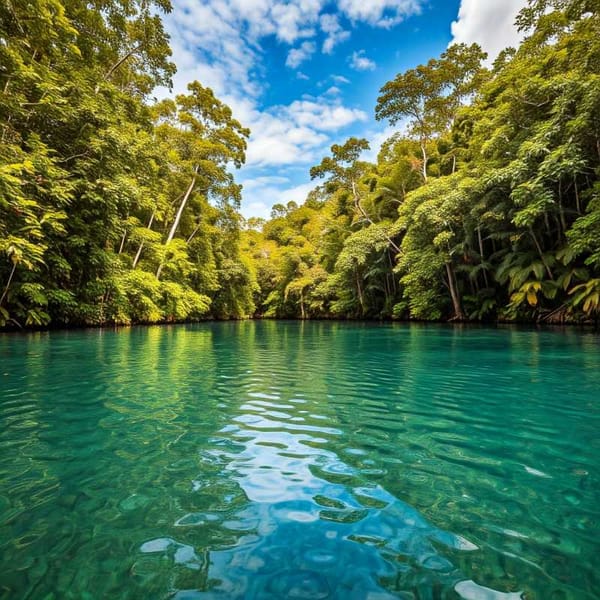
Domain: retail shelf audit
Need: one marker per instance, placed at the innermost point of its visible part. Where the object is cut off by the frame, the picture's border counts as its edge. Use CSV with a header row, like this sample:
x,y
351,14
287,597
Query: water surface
x,y
265,460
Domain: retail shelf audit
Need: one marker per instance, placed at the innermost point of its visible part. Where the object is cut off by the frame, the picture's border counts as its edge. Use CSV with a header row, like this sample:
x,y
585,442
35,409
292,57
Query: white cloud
x,y
359,62
340,79
297,56
293,20
380,13
219,43
264,181
297,133
330,25
278,140
297,194
324,116
489,23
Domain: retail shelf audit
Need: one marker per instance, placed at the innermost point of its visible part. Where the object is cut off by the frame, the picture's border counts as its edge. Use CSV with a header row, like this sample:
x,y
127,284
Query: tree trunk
x,y
425,160
138,254
363,212
578,203
561,210
123,242
8,283
481,256
392,273
360,293
122,60
171,235
302,315
539,249
452,284
193,234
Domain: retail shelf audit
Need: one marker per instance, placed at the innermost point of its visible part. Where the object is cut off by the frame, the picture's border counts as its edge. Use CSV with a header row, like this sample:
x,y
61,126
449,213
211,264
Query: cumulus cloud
x,y
330,25
296,133
220,43
376,140
489,23
380,13
264,181
340,79
297,193
324,116
225,35
359,62
297,56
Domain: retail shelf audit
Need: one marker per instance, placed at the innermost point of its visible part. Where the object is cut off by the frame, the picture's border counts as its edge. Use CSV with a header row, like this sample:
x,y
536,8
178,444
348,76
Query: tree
x,y
429,96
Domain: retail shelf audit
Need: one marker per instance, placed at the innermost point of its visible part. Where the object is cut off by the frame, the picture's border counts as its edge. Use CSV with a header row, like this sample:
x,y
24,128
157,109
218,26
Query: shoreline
x,y
589,326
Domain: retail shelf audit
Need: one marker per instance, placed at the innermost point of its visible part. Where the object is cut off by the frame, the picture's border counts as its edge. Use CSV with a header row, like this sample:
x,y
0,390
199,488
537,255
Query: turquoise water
x,y
264,460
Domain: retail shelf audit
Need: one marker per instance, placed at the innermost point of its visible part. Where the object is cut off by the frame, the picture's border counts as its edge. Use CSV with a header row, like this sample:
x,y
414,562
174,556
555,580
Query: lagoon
x,y
306,460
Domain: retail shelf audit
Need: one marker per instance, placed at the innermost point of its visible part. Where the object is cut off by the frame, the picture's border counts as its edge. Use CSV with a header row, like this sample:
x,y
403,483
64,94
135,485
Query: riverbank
x,y
584,324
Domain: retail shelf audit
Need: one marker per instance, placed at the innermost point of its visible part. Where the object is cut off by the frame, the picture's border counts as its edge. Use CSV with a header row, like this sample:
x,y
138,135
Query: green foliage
x,y
486,208
115,210
92,175
587,296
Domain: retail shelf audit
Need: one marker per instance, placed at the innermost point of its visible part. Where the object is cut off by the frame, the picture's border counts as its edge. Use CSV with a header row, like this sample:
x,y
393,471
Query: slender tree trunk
x,y
474,285
458,311
541,254
387,287
392,273
363,212
547,222
5,127
122,60
8,283
303,316
360,292
425,160
138,254
193,234
123,242
171,235
561,210
481,255
577,202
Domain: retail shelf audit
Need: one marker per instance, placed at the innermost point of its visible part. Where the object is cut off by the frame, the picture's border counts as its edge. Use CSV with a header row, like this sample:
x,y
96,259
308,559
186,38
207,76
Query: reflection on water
x,y
299,460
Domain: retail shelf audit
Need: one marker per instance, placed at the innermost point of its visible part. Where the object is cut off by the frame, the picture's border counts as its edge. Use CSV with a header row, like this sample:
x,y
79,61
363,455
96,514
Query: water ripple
x,y
300,460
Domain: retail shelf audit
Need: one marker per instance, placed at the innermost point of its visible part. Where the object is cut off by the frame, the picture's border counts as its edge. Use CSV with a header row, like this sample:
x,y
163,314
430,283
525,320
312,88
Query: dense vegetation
x,y
112,210
485,205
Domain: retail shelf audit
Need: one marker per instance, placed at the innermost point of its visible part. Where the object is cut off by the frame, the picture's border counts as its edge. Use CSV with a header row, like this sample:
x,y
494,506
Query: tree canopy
x,y
115,209
484,205
112,209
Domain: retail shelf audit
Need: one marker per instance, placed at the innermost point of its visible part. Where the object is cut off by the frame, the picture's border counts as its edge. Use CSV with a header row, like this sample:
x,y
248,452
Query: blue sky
x,y
304,74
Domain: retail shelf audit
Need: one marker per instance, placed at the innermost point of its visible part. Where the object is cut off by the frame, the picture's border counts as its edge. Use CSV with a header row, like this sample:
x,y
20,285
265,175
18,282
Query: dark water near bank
x,y
266,460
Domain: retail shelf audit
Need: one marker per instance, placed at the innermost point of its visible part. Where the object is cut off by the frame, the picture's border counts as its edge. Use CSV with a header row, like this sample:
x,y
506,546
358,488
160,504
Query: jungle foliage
x,y
113,208
485,206
117,209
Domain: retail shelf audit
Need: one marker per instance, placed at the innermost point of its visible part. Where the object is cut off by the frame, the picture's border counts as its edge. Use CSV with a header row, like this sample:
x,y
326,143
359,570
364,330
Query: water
x,y
300,460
